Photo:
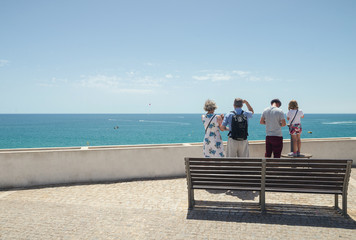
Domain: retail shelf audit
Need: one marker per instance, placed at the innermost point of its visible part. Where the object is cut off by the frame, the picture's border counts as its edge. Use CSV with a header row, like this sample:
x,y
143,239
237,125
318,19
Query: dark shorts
x,y
274,145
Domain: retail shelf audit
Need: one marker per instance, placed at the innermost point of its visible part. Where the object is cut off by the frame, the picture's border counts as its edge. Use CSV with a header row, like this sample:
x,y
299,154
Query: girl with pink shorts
x,y
294,116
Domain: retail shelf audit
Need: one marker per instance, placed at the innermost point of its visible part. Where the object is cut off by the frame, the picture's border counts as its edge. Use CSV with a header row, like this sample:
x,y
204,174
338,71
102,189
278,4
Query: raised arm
x,y
248,106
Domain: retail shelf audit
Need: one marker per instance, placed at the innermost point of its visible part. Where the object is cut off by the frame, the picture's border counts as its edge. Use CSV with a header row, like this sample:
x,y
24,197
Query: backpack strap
x,y
235,113
206,129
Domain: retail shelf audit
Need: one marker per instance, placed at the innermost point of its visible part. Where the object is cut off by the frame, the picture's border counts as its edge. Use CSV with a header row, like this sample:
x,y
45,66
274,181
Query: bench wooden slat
x,y
287,160
302,186
304,174
205,187
230,176
270,181
197,175
226,168
274,185
226,184
289,181
304,181
316,165
225,159
226,171
223,163
227,178
307,178
298,181
269,160
326,170
291,190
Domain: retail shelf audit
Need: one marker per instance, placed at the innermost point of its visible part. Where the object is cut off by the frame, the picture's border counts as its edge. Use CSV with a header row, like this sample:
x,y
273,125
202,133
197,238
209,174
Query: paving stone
x,y
157,209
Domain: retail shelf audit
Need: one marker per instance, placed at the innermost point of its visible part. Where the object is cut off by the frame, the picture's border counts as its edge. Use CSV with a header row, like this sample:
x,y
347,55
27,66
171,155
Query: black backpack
x,y
239,126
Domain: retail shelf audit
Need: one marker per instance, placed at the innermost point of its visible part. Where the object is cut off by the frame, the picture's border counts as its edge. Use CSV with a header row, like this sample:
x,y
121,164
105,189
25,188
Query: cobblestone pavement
x,y
158,210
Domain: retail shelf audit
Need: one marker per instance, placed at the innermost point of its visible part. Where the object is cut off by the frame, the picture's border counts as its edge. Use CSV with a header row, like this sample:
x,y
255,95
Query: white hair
x,y
210,105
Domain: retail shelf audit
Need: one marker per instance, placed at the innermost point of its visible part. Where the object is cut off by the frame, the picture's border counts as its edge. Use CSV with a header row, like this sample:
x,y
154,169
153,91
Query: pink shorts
x,y
295,129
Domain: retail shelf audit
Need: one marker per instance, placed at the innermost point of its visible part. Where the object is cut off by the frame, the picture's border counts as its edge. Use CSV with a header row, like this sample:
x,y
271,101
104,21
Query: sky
x,y
170,56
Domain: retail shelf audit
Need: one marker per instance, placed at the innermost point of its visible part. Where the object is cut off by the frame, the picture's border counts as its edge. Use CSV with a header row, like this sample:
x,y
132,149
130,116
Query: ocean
x,y
70,130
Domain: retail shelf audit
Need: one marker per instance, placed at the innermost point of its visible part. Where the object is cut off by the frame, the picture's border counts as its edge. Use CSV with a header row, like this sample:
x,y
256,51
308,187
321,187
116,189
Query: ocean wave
x,y
178,123
340,123
115,120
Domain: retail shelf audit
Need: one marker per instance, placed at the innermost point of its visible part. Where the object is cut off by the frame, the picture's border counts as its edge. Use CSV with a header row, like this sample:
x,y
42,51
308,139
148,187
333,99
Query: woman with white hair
x,y
213,143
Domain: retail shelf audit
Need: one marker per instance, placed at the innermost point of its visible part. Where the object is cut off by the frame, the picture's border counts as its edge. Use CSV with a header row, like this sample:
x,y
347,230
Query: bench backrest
x,y
224,173
329,176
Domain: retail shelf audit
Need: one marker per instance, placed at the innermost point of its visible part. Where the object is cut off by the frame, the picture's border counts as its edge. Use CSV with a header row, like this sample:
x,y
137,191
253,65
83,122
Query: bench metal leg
x,y
262,201
259,196
191,201
189,184
344,204
263,186
345,186
336,201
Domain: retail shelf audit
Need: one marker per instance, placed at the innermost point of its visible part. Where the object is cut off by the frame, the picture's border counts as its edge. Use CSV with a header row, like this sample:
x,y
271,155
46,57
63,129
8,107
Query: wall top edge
x,y
149,146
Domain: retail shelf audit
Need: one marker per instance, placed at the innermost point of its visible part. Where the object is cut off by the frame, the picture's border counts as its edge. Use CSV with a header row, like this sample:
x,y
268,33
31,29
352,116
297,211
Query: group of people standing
x,y
236,122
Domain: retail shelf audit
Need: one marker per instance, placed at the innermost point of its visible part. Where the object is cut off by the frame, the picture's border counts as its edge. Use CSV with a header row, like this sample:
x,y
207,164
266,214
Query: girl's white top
x,y
291,114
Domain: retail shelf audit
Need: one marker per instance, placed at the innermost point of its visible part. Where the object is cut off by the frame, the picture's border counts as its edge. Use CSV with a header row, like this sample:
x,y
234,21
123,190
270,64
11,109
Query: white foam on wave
x,y
340,123
179,123
121,120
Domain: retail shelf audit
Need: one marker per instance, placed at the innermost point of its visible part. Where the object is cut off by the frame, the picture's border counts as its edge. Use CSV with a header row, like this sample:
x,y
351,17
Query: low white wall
x,y
33,167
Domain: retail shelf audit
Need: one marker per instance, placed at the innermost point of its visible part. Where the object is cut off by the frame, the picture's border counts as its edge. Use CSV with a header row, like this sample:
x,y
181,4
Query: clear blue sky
x,y
112,56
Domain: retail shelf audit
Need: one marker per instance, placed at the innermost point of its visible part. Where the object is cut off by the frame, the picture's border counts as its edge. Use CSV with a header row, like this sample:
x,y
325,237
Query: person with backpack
x,y
273,118
236,122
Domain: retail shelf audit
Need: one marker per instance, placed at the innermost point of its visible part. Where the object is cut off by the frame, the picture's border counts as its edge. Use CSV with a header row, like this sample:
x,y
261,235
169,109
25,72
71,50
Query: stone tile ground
x,y
158,210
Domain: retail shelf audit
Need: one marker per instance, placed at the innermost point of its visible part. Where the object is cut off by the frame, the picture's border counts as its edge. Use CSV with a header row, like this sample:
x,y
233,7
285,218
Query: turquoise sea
x,y
68,130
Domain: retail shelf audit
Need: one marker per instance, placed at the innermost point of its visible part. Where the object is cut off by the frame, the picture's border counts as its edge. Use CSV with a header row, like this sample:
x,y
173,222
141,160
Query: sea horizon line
x,y
133,113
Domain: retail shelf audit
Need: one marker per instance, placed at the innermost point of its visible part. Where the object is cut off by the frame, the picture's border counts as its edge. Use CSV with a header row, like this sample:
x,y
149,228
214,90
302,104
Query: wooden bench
x,y
318,176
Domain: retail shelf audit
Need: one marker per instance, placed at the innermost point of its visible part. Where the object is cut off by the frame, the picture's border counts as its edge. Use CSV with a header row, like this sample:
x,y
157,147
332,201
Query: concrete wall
x,y
34,167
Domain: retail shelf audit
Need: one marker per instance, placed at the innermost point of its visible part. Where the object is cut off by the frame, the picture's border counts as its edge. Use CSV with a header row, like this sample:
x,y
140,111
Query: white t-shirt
x,y
291,114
